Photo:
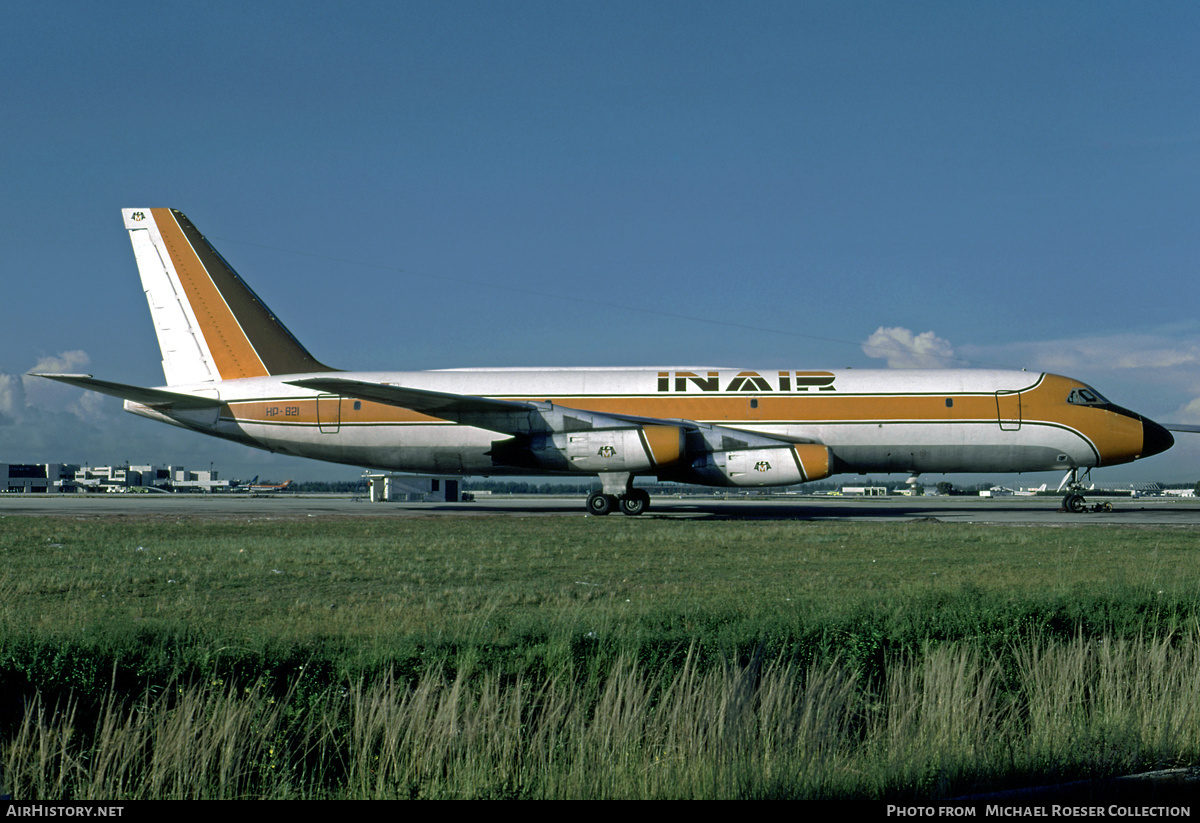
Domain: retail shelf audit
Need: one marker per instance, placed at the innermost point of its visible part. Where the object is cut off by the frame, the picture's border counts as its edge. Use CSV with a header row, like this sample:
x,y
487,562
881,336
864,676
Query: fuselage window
x,y
949,402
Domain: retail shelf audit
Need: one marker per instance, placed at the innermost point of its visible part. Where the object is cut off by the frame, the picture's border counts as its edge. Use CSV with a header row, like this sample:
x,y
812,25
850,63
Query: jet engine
x,y
636,449
772,466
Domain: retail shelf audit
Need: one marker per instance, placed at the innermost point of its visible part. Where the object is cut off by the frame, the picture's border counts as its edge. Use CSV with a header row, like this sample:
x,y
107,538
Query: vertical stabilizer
x,y
210,324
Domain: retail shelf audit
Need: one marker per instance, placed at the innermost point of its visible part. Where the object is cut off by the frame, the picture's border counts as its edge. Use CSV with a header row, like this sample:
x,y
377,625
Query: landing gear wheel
x,y
1074,503
601,504
636,502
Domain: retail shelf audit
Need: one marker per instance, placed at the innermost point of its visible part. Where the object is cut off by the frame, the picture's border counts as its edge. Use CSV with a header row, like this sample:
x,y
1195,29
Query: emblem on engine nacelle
x,y
607,451
762,466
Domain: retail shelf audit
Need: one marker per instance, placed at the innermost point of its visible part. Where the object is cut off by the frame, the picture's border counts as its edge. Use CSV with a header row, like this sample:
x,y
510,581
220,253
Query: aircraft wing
x,y
563,438
155,398
1181,427
450,406
434,403
529,416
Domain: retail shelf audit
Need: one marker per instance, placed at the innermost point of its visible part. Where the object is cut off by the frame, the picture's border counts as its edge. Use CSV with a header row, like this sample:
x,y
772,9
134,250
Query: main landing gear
x,y
632,503
617,492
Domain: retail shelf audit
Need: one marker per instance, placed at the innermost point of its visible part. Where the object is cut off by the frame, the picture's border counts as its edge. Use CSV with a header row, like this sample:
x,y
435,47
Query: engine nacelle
x,y
774,466
639,449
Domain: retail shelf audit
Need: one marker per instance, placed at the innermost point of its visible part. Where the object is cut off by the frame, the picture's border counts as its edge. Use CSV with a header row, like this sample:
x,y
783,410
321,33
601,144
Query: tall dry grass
x,y
949,720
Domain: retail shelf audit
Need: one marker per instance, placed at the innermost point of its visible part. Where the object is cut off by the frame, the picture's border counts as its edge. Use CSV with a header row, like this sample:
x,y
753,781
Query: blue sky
x,y
768,185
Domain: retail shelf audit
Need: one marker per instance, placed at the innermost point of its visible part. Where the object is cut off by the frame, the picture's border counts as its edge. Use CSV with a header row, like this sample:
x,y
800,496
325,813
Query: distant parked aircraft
x,y
255,486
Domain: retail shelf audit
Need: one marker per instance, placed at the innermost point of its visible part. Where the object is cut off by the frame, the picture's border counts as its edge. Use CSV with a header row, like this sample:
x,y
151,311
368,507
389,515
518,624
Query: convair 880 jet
x,y
234,371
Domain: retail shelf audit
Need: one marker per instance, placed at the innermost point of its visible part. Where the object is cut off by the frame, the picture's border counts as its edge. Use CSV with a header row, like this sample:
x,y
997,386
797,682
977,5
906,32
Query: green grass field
x,y
577,657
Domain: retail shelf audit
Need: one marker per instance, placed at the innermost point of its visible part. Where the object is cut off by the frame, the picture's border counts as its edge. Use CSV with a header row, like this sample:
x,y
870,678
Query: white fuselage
x,y
871,420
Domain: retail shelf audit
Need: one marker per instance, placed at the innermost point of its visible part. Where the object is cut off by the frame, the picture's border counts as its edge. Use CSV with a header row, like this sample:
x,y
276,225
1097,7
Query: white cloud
x,y
48,395
67,362
904,350
1099,352
41,417
1188,413
12,395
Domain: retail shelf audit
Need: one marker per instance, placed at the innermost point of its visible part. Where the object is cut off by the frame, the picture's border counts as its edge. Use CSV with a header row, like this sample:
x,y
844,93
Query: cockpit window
x,y
1086,397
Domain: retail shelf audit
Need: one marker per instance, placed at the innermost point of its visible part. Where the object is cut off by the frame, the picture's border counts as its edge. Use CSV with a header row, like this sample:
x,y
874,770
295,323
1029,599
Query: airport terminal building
x,y
69,478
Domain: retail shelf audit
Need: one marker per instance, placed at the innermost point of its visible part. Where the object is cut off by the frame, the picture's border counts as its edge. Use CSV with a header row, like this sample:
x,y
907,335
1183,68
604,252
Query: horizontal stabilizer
x,y
158,398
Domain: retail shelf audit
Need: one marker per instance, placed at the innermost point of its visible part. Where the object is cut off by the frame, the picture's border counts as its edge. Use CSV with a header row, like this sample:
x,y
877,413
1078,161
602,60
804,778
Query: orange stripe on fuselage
x,y
781,408
771,409
303,411
231,350
703,409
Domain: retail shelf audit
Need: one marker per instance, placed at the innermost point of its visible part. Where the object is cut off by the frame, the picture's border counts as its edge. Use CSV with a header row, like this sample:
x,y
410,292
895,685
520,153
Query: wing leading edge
x,y
557,438
513,416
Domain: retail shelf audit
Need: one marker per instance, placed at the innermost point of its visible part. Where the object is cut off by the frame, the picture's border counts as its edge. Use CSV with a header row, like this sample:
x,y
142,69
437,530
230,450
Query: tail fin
x,y
210,324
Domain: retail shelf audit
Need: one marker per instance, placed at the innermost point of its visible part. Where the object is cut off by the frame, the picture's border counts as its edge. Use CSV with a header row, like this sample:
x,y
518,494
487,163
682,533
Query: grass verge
x,y
569,657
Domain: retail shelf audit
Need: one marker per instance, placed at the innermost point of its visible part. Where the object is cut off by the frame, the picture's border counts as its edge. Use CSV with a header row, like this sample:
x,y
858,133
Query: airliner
x,y
254,487
234,371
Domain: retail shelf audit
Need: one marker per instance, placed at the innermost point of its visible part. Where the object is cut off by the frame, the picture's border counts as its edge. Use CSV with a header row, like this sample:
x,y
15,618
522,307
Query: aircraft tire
x,y
635,503
1074,503
601,504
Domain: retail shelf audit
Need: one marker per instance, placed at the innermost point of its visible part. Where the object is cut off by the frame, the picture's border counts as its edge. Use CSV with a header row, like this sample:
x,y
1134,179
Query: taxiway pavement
x,y
1037,511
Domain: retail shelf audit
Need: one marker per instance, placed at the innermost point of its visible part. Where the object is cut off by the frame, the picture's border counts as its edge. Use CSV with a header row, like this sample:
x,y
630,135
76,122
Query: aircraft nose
x,y
1155,439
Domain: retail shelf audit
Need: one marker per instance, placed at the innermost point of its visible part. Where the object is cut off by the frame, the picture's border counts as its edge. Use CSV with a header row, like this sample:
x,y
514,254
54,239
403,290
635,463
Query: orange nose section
x,y
1127,436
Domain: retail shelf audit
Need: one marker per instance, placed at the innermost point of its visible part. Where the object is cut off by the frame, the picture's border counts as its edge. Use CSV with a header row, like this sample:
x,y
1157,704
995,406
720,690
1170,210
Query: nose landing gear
x,y
1075,504
1074,501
